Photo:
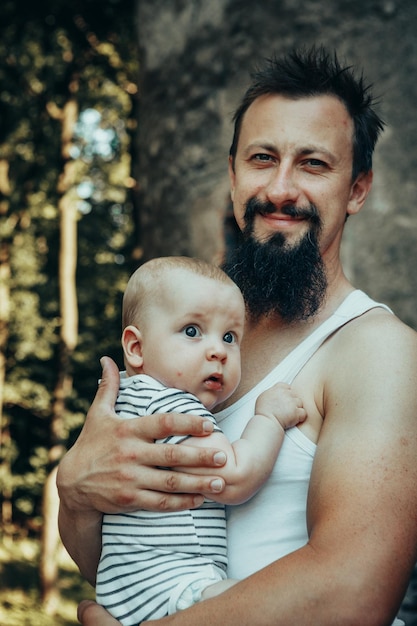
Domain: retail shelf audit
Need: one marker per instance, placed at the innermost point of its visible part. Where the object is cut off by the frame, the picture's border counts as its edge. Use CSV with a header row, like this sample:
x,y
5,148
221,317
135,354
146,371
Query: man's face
x,y
292,189
296,153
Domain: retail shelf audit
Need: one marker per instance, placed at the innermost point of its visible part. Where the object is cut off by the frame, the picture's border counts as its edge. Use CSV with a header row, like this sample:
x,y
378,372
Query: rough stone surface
x,y
195,60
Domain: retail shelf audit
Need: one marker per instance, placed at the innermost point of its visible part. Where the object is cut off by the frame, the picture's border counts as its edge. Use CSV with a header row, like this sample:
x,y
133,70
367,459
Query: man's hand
x,y
92,614
113,467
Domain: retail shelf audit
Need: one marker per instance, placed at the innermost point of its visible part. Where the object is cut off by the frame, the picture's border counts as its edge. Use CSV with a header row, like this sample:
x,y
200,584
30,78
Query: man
x,y
300,164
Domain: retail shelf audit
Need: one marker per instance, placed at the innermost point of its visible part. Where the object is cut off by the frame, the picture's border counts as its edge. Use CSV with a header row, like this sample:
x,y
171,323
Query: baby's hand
x,y
282,404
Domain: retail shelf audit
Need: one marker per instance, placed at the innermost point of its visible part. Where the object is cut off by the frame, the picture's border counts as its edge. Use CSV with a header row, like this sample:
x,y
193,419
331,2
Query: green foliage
x,y
52,52
19,596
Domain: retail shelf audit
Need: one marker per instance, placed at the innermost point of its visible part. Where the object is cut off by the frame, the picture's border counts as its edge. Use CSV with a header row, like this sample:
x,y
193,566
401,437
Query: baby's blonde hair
x,y
146,281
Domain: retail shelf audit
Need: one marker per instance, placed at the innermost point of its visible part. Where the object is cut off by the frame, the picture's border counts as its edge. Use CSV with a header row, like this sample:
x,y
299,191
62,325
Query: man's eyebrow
x,y
318,149
305,151
260,145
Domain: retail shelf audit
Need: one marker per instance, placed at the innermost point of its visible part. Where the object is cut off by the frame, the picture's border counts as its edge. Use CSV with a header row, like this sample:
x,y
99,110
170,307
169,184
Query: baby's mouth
x,y
214,382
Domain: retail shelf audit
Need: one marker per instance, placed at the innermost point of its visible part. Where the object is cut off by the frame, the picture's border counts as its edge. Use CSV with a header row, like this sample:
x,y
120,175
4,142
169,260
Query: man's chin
x,y
281,278
285,239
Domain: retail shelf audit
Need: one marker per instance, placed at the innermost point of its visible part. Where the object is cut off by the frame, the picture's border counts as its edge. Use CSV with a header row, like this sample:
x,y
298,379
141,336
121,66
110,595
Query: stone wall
x,y
195,59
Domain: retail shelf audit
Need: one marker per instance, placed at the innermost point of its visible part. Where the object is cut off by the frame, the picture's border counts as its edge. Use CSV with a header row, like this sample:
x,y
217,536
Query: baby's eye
x,y
229,337
192,331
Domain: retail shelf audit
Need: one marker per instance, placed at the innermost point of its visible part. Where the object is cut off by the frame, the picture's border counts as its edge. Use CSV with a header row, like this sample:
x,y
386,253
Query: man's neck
x,y
270,339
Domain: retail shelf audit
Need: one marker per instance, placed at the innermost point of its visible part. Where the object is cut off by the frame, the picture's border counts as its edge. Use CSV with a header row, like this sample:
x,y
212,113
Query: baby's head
x,y
183,322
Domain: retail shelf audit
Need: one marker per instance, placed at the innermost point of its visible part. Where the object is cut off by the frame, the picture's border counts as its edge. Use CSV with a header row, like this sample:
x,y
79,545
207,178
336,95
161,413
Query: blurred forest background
x,y
115,123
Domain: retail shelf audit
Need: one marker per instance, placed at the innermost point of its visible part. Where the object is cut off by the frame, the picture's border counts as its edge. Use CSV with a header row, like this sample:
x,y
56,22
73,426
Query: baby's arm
x,y
251,458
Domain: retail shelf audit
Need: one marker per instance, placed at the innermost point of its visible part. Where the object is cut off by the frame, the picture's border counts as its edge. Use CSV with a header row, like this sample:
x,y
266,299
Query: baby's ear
x,y
132,346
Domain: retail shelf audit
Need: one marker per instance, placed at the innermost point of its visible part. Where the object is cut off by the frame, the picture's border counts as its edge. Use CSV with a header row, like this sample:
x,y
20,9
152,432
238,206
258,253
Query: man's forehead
x,y
278,105
312,120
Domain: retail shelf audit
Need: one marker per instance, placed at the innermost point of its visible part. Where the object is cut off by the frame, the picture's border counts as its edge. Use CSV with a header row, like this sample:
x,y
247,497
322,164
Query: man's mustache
x,y
255,206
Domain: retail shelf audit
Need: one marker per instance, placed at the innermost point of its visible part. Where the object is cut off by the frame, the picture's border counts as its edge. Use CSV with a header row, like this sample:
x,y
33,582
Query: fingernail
x,y
207,427
219,458
216,485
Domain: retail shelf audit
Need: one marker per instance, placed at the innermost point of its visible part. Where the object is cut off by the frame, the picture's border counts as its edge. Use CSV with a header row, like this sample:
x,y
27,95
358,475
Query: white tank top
x,y
273,522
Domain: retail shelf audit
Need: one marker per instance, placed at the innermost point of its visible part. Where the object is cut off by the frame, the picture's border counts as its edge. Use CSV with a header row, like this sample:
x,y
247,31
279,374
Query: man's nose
x,y
282,187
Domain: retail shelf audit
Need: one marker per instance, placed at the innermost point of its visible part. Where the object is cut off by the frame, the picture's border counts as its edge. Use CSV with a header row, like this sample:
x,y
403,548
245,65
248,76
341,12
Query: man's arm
x,y
112,468
362,502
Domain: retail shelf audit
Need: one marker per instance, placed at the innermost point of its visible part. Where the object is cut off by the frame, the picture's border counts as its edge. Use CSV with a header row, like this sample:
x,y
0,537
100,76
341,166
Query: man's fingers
x,y
91,614
167,503
161,425
131,441
169,482
168,455
191,456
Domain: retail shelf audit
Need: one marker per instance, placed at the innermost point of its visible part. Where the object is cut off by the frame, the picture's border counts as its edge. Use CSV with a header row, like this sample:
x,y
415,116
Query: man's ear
x,y
132,347
359,192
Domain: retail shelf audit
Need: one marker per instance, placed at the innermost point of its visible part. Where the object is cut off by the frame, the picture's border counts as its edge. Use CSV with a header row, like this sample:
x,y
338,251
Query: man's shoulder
x,y
377,321
374,335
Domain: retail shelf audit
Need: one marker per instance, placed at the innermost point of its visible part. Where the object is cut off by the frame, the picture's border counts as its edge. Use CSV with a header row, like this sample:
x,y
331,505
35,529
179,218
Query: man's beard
x,y
274,276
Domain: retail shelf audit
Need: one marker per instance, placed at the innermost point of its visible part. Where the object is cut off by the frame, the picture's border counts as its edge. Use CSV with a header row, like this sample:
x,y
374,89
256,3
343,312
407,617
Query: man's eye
x,y
191,331
262,157
229,337
316,163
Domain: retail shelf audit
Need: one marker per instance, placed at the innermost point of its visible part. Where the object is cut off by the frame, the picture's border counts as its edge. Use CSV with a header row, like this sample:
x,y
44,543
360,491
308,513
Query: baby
x,y
183,323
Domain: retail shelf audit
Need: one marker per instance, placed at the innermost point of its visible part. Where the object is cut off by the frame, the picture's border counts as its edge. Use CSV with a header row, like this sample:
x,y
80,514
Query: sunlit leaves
x,y
51,52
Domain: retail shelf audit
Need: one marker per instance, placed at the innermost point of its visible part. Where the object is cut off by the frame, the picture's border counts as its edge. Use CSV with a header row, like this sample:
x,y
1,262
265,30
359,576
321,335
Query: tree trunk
x,y
68,340
6,508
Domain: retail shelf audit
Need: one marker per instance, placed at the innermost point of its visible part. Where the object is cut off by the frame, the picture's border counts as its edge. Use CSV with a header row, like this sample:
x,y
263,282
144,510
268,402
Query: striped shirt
x,y
145,555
